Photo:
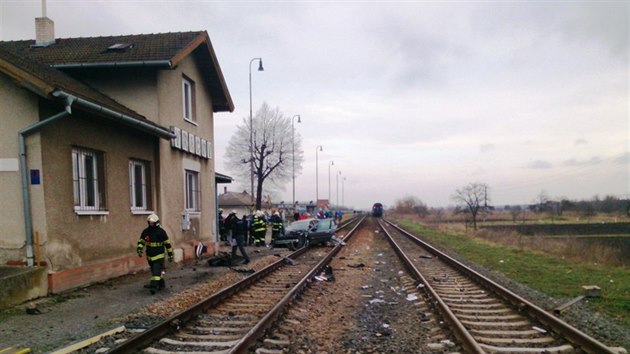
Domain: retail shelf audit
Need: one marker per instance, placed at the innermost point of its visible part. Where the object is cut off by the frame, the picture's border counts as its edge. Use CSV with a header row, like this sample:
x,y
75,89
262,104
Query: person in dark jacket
x,y
155,239
277,226
238,227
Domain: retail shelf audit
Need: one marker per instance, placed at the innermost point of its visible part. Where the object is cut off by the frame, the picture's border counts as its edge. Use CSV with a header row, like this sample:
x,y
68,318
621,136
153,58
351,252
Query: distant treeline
x,y
564,229
608,205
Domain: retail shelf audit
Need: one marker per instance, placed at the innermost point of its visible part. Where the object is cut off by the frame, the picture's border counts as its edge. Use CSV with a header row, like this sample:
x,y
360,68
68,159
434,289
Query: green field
x,y
551,275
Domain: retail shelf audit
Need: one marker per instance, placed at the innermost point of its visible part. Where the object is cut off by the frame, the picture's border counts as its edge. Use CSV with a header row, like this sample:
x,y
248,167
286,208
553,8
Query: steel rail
x,y
467,341
572,334
276,312
174,322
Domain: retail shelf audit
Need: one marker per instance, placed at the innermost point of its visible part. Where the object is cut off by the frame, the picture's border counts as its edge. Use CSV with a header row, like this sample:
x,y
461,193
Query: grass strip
x,y
552,275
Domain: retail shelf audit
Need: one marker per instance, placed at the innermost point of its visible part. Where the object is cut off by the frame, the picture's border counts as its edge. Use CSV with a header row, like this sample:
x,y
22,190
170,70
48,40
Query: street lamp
x,y
337,186
293,151
317,149
331,163
342,201
251,125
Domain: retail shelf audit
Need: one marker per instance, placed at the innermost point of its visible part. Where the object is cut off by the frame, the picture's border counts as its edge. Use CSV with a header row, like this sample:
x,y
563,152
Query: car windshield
x,y
326,225
300,225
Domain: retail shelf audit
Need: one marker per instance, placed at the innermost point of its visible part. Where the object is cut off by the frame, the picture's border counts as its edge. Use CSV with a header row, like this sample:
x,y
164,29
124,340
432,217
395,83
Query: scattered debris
x,y
244,271
376,301
447,343
591,291
424,317
563,307
223,259
411,297
541,330
356,265
426,256
32,309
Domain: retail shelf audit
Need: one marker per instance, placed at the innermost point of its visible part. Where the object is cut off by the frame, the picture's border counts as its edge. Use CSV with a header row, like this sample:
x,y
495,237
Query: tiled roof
x,y
232,199
142,48
145,47
43,80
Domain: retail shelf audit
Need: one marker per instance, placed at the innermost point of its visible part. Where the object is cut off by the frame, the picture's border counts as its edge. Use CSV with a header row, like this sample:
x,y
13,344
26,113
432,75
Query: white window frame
x,y
86,183
192,191
188,100
145,185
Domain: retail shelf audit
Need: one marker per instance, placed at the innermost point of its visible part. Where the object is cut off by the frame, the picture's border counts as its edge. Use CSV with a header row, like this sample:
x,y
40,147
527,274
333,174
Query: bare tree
x,y
541,201
515,211
273,152
474,198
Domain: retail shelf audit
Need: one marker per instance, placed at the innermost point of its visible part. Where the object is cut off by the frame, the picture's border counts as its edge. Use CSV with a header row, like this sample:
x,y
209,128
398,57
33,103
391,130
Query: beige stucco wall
x,y
75,240
19,111
173,161
135,88
157,94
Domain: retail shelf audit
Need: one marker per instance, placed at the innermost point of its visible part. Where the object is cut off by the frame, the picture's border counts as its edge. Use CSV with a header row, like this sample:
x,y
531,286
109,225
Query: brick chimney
x,y
44,29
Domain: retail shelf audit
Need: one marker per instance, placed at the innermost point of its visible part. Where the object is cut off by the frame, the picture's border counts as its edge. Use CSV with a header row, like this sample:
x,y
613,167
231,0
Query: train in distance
x,y
377,210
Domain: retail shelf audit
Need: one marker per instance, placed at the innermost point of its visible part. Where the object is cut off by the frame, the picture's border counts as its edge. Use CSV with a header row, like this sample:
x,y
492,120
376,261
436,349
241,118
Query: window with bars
x,y
188,96
140,185
193,191
88,177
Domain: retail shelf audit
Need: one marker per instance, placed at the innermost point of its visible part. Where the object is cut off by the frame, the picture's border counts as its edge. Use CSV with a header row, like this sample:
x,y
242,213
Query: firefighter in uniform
x,y
259,228
155,239
277,226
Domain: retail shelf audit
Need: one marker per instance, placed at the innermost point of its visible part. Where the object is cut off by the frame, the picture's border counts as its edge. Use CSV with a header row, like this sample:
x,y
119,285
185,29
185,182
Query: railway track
x,y
232,320
484,316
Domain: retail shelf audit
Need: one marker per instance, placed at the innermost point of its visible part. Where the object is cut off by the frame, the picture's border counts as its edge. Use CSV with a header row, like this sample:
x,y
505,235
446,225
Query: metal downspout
x,y
162,133
26,200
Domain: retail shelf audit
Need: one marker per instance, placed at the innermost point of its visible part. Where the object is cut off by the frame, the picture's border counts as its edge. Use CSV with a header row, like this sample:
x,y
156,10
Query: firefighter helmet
x,y
153,218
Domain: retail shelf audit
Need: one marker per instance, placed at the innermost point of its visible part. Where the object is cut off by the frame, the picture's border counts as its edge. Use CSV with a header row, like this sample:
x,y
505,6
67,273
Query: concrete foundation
x,y
21,284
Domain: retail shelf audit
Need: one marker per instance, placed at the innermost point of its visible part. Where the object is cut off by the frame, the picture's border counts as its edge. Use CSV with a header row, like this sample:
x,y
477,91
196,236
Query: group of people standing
x,y
238,231
249,231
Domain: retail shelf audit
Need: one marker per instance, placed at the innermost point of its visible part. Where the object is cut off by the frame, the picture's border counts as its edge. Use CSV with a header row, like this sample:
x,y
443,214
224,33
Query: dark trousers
x,y
157,279
240,239
260,237
274,236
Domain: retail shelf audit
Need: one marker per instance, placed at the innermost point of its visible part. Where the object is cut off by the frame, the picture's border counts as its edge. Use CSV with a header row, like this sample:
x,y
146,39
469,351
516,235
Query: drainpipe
x,y
26,200
144,126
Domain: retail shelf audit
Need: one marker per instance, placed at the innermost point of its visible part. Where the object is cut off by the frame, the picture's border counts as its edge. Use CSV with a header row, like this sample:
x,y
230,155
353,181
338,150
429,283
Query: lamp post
x,y
293,151
337,186
251,125
342,201
331,163
317,149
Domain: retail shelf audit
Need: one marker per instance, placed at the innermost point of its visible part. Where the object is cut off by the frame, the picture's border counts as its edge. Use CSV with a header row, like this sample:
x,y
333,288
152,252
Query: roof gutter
x,y
116,64
123,118
26,200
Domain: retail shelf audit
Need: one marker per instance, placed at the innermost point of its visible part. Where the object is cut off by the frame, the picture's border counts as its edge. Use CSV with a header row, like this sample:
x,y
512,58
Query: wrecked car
x,y
306,232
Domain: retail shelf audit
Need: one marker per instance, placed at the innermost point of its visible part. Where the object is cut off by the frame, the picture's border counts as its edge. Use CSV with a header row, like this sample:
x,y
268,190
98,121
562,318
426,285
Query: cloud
x,y
539,165
573,162
580,142
486,148
623,159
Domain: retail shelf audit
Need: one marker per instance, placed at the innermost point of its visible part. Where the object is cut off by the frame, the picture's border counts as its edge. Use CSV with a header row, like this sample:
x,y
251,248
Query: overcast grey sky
x,y
411,97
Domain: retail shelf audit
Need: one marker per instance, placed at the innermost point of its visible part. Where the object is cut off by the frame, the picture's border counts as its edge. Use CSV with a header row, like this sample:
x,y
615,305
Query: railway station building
x,y
98,133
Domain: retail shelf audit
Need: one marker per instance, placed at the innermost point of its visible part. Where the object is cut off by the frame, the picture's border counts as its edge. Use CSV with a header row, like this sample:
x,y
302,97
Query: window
x,y
193,192
188,95
88,180
140,185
